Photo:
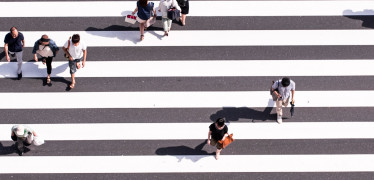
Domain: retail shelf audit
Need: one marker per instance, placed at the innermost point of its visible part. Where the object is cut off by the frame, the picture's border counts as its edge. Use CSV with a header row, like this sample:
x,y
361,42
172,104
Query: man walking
x,y
14,44
282,91
23,136
75,51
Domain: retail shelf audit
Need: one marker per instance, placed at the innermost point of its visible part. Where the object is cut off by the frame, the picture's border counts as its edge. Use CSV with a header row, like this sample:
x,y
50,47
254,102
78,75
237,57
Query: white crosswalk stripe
x,y
148,158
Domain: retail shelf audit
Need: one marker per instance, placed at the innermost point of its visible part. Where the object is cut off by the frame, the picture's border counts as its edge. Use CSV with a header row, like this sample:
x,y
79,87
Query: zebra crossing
x,y
142,109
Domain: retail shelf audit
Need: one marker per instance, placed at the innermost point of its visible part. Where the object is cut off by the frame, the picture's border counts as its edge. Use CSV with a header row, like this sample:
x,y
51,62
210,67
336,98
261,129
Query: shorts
x,y
214,142
73,65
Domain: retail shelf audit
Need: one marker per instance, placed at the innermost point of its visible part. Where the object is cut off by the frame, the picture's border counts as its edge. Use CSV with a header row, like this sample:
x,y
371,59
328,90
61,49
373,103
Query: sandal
x,y
141,37
48,80
72,85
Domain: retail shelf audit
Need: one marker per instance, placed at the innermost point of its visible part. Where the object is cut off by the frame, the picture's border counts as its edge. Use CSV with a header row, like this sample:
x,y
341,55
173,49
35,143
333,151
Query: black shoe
x,y
20,76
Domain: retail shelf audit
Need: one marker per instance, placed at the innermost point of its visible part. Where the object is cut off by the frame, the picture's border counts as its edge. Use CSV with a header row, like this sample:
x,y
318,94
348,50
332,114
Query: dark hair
x,y
286,82
13,28
220,122
143,3
76,38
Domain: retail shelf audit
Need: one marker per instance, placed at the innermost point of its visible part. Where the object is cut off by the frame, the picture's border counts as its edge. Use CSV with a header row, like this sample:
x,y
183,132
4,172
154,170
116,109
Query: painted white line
x,y
185,164
208,38
205,99
187,131
210,68
198,8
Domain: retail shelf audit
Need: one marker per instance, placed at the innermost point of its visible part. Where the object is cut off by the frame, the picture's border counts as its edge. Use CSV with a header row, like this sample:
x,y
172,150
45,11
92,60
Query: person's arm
x,y
209,133
84,57
274,91
67,53
6,52
34,49
34,133
136,10
23,43
35,57
293,95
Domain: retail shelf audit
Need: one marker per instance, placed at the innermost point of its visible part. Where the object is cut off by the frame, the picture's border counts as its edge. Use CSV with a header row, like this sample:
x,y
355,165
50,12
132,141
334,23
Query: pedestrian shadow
x,y
5,150
366,16
184,152
238,113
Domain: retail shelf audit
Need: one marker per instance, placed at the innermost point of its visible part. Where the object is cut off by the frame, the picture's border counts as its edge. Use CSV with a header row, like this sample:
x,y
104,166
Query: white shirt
x,y
167,4
76,51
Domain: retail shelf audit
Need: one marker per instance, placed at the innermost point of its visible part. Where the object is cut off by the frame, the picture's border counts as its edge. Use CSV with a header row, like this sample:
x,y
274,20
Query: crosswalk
x,y
142,109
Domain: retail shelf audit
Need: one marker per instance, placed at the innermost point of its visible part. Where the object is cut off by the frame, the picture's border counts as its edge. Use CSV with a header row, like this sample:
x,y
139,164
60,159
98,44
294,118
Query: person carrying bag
x,y
170,11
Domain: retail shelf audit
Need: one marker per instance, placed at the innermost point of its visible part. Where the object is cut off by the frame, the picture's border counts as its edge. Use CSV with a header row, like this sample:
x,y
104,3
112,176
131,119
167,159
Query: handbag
x,y
173,13
67,49
38,141
130,19
228,140
275,97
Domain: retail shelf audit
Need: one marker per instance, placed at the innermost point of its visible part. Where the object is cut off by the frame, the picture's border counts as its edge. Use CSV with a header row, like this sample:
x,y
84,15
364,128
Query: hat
x,y
20,131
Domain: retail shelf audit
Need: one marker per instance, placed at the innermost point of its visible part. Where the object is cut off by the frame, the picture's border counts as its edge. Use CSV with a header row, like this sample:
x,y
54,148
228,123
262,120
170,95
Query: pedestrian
x,y
282,91
163,8
76,52
217,131
146,15
14,44
47,49
185,6
23,136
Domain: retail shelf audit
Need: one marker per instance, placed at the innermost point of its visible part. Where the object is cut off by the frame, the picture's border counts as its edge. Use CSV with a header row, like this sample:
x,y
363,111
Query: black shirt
x,y
14,44
216,133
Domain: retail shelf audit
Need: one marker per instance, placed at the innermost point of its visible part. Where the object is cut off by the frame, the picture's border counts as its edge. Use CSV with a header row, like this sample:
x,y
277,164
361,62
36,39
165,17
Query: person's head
x,y
286,81
44,40
75,39
14,32
20,131
143,3
220,122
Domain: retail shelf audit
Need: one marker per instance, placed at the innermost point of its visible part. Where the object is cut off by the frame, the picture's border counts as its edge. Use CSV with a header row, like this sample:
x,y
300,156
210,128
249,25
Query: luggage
x,y
173,13
130,19
228,140
38,141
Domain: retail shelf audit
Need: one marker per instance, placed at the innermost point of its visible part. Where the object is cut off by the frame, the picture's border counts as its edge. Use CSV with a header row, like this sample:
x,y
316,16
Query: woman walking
x,y
217,131
163,8
144,9
185,6
47,49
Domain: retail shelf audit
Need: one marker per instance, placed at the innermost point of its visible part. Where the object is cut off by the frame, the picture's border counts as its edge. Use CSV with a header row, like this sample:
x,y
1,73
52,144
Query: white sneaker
x,y
279,119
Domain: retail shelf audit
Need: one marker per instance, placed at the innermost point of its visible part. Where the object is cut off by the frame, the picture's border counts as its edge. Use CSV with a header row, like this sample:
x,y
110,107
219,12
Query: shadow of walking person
x,y
366,16
184,152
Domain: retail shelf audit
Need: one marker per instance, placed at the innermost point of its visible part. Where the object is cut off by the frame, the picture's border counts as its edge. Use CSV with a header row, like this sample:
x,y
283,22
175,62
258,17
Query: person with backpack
x,y
282,90
146,15
164,6
75,52
47,49
185,6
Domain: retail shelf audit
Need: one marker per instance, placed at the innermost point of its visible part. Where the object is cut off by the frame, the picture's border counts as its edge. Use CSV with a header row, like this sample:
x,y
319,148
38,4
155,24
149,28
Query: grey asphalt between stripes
x,y
194,147
157,53
193,23
140,84
185,115
203,175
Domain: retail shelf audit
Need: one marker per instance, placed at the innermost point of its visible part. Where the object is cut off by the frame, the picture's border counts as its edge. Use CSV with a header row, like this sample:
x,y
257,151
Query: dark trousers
x,y
49,64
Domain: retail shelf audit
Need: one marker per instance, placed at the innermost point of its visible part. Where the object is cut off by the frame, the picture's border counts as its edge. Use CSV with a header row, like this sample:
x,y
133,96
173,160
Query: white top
x,y
45,51
76,51
166,4
285,92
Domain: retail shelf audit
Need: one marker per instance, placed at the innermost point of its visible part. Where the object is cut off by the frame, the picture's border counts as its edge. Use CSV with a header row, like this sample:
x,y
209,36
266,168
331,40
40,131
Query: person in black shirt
x,y
14,43
217,131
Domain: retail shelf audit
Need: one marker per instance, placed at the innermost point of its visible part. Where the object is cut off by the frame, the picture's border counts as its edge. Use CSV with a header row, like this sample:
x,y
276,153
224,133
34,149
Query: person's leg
x,y
49,69
73,69
218,152
169,24
183,19
141,27
19,63
279,110
20,146
165,26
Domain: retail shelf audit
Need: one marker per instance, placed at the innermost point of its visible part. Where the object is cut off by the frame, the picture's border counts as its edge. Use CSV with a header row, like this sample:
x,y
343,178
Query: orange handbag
x,y
228,140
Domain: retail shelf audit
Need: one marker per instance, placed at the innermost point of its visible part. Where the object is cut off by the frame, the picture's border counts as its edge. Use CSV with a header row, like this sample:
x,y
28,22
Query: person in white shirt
x,y
76,51
283,90
163,8
23,136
